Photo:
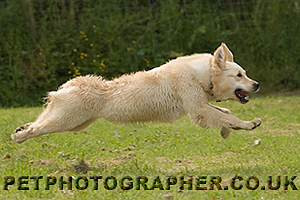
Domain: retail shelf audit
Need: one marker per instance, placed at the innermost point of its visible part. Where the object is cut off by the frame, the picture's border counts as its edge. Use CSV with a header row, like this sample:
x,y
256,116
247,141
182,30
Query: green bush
x,y
45,43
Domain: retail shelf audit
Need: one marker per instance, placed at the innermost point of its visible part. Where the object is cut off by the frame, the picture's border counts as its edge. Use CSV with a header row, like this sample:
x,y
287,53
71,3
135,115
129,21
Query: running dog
x,y
182,86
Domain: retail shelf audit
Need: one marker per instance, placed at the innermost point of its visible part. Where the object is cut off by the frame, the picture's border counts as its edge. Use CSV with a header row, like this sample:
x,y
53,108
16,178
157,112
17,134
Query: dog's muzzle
x,y
242,94
255,87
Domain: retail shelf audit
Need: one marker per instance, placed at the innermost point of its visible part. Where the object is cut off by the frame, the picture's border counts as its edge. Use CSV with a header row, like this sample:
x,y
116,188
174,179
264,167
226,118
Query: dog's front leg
x,y
206,115
224,131
224,110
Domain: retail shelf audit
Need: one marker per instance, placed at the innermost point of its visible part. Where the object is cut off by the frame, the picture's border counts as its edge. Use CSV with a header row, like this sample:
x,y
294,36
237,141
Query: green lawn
x,y
128,154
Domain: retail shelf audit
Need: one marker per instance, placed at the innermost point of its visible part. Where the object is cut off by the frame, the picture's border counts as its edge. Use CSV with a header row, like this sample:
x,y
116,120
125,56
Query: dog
x,y
182,86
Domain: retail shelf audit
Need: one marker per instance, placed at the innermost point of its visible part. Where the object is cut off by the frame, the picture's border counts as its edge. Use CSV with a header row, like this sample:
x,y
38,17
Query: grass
x,y
158,149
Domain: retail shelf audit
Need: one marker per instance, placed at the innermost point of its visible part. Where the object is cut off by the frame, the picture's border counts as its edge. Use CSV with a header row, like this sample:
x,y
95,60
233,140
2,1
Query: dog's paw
x,y
256,122
21,133
225,132
19,136
23,127
15,137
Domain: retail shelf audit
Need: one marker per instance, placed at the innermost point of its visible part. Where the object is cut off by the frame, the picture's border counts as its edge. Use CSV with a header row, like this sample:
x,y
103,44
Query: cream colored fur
x,y
182,86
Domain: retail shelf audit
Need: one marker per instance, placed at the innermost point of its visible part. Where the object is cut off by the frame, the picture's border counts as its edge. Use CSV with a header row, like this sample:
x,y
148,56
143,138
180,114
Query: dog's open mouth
x,y
242,95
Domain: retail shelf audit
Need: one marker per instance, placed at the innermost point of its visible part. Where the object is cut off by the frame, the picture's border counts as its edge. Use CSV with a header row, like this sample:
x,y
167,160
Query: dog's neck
x,y
211,85
211,90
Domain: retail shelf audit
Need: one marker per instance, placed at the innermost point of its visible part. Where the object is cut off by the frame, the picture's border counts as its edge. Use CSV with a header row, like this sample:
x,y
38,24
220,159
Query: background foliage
x,y
45,43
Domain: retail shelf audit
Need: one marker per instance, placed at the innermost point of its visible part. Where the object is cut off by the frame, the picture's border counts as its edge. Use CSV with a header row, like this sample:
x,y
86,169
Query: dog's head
x,y
229,79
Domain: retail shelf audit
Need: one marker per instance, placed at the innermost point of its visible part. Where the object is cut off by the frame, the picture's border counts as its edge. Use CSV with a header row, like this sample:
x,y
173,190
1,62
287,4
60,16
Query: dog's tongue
x,y
242,93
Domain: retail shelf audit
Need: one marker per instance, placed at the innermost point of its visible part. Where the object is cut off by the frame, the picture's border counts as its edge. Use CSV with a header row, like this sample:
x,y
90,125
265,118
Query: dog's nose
x,y
255,86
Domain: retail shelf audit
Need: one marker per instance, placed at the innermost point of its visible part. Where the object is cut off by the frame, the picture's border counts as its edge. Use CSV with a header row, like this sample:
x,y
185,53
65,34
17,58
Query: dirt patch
x,y
168,196
121,159
282,132
103,148
128,148
183,161
293,125
81,167
6,156
229,153
44,162
116,161
177,165
177,160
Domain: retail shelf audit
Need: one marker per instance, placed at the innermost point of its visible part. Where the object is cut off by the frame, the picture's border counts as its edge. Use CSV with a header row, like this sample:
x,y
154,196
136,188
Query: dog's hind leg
x,y
83,125
57,117
36,129
45,125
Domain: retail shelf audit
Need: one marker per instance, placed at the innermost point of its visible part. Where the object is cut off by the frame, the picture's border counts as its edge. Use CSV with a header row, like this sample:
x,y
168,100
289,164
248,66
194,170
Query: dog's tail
x,y
79,86
54,96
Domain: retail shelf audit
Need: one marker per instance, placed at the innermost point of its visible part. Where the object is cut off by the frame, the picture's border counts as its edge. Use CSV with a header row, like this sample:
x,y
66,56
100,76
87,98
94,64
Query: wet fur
x,y
182,86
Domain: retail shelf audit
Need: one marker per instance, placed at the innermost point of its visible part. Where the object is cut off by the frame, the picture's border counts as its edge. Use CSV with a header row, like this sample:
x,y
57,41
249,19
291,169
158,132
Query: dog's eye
x,y
239,75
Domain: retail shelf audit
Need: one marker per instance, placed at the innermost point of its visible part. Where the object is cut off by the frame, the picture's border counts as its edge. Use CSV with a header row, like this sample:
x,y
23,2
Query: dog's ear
x,y
228,54
222,54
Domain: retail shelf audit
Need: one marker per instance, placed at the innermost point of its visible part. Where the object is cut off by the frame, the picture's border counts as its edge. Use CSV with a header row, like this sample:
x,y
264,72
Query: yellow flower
x,y
94,61
69,72
102,64
94,26
91,45
77,73
75,50
82,55
133,42
73,63
40,53
147,62
98,56
129,48
45,64
86,39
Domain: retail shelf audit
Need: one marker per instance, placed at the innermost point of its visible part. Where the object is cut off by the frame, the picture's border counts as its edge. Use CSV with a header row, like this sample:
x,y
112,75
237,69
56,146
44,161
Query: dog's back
x,y
183,85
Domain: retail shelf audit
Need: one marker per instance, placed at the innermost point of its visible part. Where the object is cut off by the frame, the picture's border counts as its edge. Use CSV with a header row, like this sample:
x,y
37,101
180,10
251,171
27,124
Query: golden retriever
x,y
182,86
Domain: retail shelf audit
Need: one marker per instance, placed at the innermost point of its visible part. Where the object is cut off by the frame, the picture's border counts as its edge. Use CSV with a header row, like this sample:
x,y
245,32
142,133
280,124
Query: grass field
x,y
156,151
